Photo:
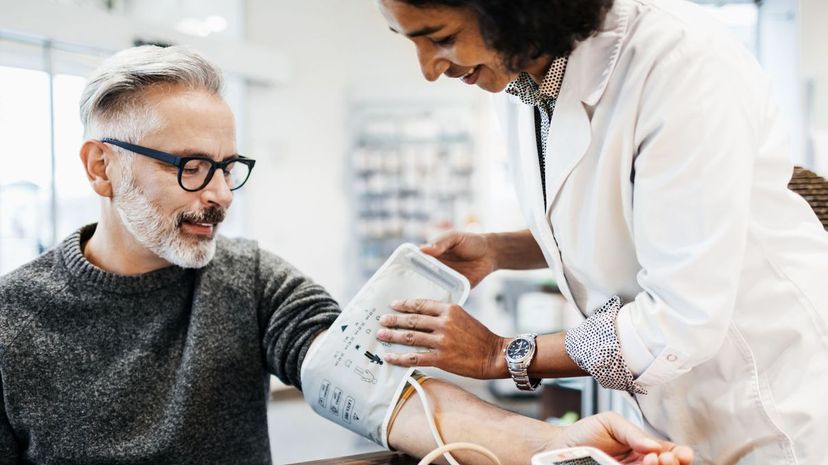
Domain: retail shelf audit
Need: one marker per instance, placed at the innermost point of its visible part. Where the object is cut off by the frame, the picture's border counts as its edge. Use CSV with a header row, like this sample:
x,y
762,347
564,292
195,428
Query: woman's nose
x,y
432,64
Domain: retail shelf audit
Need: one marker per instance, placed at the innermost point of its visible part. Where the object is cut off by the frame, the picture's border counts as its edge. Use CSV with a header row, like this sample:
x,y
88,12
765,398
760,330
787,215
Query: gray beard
x,y
159,232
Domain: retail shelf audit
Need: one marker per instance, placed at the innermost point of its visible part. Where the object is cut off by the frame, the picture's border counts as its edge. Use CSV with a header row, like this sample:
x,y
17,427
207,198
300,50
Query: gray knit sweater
x,y
168,367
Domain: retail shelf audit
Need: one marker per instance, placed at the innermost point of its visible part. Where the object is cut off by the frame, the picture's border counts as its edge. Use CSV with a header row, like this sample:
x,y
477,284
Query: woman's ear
x,y
96,160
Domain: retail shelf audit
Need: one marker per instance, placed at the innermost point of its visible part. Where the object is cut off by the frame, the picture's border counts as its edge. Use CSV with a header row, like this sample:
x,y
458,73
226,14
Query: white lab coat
x,y
666,178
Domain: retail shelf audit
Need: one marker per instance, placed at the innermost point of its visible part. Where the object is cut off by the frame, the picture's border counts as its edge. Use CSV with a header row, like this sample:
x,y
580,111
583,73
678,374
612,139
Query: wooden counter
x,y
374,458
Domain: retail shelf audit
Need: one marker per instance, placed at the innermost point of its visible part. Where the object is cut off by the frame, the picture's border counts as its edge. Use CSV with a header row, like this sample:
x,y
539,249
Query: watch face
x,y
517,349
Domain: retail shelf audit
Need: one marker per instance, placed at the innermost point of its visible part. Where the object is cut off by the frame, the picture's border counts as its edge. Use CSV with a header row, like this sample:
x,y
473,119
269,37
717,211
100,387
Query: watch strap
x,y
522,380
520,370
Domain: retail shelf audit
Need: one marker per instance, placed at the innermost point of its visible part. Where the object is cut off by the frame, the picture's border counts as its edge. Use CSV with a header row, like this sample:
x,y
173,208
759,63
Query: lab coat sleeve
x,y
696,137
293,310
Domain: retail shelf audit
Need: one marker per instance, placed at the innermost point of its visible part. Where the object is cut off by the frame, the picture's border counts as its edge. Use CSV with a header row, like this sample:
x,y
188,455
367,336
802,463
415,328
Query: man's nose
x,y
217,191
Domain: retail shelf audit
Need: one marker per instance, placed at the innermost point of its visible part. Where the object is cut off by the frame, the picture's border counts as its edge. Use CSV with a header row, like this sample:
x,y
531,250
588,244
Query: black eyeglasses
x,y
194,173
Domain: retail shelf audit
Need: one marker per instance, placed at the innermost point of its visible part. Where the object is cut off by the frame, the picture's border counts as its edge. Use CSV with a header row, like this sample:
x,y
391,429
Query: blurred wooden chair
x,y
814,188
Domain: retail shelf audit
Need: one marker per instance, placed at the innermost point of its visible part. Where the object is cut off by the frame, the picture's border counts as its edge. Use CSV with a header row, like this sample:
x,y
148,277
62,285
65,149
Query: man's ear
x,y
96,160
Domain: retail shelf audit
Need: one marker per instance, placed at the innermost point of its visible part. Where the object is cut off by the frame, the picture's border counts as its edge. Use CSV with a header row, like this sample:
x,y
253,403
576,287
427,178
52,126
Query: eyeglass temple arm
x,y
157,154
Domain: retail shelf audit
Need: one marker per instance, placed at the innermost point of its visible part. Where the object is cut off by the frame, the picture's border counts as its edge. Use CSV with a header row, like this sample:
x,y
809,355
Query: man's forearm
x,y
516,250
462,417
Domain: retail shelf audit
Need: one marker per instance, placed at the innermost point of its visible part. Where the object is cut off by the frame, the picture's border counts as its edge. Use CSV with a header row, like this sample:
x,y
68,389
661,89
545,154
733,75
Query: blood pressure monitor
x,y
573,456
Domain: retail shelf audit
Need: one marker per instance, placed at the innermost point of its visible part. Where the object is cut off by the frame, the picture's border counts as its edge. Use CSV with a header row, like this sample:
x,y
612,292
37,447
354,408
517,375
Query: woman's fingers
x,y
442,243
413,359
410,338
413,321
457,342
421,306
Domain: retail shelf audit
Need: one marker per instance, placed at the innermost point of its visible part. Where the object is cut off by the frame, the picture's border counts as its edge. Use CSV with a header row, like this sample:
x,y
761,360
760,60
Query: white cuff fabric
x,y
635,352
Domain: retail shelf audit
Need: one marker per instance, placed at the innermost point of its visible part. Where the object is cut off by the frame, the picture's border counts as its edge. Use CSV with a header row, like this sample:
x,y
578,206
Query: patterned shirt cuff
x,y
594,347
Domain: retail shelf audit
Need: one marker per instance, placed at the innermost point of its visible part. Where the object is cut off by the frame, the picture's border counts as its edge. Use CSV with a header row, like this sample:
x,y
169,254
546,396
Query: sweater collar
x,y
83,271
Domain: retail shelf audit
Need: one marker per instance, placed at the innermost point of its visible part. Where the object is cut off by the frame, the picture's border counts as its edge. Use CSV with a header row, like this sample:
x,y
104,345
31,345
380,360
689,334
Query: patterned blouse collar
x,y
530,93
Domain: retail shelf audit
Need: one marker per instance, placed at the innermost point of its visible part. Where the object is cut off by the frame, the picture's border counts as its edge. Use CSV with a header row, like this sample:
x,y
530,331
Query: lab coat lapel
x,y
529,163
568,140
587,74
528,183
588,71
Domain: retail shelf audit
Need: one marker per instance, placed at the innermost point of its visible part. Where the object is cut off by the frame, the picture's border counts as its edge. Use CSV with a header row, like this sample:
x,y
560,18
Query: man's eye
x,y
444,42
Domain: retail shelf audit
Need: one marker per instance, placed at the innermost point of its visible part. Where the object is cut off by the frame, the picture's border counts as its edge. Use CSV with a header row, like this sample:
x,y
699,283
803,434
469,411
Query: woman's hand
x,y
472,255
456,342
623,441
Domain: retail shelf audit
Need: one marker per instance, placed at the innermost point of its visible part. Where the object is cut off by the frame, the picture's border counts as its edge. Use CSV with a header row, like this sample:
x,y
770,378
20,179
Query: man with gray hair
x,y
145,338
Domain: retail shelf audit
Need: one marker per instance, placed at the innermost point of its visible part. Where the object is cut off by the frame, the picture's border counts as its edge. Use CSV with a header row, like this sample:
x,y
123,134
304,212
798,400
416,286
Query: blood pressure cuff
x,y
344,376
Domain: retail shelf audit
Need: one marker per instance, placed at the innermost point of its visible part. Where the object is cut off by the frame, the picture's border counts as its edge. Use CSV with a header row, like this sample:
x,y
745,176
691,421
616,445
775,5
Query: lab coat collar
x,y
588,72
592,62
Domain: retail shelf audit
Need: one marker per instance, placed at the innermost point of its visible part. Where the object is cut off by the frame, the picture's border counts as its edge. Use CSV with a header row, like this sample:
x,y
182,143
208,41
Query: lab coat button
x,y
672,358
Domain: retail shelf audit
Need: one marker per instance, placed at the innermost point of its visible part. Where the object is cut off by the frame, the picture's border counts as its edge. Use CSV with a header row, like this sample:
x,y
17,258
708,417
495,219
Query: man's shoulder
x,y
24,290
238,257
41,270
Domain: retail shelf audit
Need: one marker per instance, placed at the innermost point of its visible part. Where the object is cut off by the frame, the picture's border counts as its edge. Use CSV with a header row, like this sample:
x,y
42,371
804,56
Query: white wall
x,y
778,45
814,37
87,27
814,64
339,51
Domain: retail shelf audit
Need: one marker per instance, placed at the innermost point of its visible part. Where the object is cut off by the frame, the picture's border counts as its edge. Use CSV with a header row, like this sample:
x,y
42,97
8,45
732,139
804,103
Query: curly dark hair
x,y
524,30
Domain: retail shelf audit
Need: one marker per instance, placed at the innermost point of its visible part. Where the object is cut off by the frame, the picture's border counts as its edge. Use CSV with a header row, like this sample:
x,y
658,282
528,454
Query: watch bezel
x,y
523,337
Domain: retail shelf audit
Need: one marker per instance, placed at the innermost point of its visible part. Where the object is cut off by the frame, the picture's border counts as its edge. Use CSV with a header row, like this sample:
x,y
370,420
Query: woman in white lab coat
x,y
651,167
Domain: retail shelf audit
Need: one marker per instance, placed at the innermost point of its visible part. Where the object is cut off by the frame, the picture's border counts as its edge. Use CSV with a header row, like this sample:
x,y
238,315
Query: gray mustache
x,y
212,215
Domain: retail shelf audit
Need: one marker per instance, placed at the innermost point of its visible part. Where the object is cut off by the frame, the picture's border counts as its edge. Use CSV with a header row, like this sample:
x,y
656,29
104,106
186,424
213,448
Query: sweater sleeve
x,y
293,310
9,448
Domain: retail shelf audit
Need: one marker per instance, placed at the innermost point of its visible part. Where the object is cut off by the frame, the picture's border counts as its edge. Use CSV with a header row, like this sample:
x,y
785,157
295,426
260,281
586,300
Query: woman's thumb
x,y
441,244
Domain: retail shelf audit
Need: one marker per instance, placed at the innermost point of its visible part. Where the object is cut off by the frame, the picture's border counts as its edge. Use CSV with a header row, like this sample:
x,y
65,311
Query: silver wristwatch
x,y
519,353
